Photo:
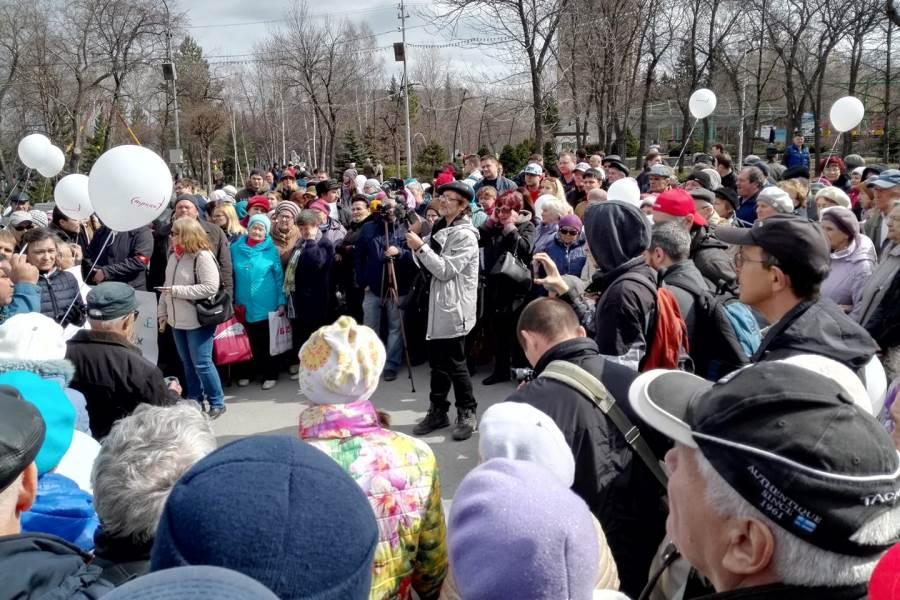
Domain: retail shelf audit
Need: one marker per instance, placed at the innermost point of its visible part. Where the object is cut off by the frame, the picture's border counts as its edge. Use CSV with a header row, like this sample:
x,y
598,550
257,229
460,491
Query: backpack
x,y
728,330
667,340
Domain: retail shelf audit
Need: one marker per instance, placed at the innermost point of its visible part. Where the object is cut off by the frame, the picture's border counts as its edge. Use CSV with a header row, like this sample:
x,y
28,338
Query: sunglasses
x,y
24,227
567,231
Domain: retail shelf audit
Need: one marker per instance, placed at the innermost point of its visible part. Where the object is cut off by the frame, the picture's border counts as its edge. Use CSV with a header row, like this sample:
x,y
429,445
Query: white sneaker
x,y
295,376
268,384
243,382
293,369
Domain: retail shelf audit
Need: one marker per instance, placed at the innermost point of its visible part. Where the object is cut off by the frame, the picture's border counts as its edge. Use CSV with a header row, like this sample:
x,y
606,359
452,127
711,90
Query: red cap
x,y
885,582
678,203
261,201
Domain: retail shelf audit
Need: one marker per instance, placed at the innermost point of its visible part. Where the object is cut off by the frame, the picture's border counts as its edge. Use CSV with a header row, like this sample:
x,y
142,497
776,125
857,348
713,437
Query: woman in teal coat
x,y
259,289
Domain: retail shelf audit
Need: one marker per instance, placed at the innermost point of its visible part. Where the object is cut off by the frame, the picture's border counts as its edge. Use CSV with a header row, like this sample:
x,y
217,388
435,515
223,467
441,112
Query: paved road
x,y
276,411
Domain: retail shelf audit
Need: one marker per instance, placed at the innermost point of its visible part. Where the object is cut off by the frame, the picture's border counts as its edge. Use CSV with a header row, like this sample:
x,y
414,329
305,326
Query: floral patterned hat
x,y
341,363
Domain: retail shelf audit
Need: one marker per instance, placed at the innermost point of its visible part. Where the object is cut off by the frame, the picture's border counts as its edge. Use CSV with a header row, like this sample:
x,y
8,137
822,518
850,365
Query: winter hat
x,y
341,363
320,206
260,201
192,583
520,431
444,178
263,219
777,198
231,191
275,509
625,190
351,173
516,532
218,196
188,198
39,218
31,336
715,179
57,411
835,194
372,183
843,219
360,181
289,208
570,221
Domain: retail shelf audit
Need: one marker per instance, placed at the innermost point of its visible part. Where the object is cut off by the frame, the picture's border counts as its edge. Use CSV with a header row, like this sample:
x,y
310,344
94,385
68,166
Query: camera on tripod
x,y
396,213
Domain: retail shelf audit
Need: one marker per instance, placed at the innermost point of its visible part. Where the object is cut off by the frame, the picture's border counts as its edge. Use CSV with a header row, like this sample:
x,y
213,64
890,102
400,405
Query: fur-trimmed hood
x,y
48,369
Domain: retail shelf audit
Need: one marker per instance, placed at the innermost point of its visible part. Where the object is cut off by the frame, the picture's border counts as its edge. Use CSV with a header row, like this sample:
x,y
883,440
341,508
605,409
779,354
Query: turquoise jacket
x,y
258,278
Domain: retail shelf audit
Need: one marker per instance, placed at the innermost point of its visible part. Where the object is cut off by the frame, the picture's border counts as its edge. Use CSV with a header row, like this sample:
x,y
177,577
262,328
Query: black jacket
x,y
780,591
711,258
79,238
114,378
125,258
121,559
615,484
818,327
58,291
687,284
36,565
504,295
313,285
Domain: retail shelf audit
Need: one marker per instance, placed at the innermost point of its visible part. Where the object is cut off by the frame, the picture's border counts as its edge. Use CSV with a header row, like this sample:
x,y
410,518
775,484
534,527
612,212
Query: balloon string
x,y
831,152
685,144
24,185
106,242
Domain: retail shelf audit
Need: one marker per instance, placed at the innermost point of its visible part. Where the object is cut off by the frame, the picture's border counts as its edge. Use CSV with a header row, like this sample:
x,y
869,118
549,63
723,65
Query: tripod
x,y
391,293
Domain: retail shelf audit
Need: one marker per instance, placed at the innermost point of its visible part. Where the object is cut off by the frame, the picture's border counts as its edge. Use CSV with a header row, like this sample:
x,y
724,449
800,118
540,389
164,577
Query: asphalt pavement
x,y
276,412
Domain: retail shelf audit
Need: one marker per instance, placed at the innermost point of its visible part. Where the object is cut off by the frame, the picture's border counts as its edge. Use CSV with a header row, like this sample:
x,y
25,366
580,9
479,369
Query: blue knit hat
x,y
260,219
277,510
515,531
56,409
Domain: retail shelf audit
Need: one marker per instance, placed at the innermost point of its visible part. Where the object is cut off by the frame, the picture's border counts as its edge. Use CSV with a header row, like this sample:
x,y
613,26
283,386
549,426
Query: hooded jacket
x,y
818,327
258,278
617,235
399,475
617,487
850,269
710,256
453,297
62,509
36,565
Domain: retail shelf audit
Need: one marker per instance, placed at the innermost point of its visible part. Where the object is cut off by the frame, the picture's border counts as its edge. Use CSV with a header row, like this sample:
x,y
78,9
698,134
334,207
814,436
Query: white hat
x,y
522,432
19,217
218,196
31,336
230,190
625,190
39,218
777,198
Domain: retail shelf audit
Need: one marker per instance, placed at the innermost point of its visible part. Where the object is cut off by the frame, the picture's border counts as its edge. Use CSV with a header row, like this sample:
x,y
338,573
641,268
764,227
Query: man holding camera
x,y
382,262
613,481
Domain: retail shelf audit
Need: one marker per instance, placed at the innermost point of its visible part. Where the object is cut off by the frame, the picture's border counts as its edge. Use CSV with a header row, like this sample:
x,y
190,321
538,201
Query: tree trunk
x,y
887,92
537,101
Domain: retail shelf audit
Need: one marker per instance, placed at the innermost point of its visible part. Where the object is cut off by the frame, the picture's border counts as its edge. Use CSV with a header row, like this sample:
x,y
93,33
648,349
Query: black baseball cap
x,y
793,240
459,187
701,178
728,195
798,446
21,434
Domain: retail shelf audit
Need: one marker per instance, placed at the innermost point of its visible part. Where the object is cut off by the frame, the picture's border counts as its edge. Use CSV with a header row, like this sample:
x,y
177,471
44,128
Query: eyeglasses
x,y
567,231
503,209
740,259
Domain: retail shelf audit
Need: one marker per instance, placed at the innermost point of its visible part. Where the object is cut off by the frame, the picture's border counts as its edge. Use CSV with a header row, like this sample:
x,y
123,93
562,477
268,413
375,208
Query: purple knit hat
x,y
571,221
516,532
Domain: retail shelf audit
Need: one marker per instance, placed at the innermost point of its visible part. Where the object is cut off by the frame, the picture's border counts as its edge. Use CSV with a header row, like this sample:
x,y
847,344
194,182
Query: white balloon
x,y
625,190
129,187
847,113
32,149
702,103
72,198
53,162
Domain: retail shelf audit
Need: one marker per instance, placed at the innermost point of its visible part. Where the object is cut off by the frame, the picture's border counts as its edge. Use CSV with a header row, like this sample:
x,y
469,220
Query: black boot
x,y
435,419
465,424
496,378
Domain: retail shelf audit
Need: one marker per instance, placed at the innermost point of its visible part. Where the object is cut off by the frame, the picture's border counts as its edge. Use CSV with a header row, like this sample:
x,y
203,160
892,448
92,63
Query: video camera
x,y
392,186
394,213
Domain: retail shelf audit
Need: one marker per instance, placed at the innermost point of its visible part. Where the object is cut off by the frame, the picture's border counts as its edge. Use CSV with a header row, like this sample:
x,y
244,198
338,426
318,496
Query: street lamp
x,y
169,74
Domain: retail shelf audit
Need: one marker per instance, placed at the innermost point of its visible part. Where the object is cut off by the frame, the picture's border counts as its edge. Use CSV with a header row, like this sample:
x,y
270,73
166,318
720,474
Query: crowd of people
x,y
701,401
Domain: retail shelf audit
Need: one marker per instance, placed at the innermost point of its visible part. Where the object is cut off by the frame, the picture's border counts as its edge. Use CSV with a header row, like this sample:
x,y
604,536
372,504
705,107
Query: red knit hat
x,y
260,201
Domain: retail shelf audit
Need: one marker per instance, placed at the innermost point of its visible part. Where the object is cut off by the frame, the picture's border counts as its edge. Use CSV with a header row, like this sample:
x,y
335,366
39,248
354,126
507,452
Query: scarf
x,y
179,251
290,276
251,242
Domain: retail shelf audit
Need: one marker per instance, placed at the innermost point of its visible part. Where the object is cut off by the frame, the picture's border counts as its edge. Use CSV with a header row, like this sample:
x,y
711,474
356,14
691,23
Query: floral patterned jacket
x,y
399,475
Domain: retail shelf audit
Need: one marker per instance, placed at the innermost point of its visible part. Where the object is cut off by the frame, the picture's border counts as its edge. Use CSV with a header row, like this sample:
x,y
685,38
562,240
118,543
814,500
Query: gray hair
x,y
556,206
755,175
140,461
109,324
673,239
795,561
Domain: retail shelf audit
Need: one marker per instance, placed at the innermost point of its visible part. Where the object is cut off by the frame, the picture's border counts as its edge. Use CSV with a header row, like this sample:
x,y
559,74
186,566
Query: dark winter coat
x,y
711,258
369,261
780,591
35,565
796,157
79,238
58,290
501,184
125,258
687,285
313,291
568,259
818,327
730,181
746,212
121,559
503,294
615,483
114,377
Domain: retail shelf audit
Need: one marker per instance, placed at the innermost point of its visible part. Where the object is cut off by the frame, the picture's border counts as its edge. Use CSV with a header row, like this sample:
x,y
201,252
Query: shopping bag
x,y
280,336
231,343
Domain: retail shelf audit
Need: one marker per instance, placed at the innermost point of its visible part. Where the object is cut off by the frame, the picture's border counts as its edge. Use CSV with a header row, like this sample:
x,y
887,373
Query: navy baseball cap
x,y
886,179
801,447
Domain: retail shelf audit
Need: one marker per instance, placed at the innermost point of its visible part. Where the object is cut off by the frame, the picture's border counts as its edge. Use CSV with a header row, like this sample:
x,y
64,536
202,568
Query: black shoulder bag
x,y
218,308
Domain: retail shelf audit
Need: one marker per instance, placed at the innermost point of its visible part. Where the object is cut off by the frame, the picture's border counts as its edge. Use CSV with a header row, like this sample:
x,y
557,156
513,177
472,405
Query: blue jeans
x,y
195,348
372,318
